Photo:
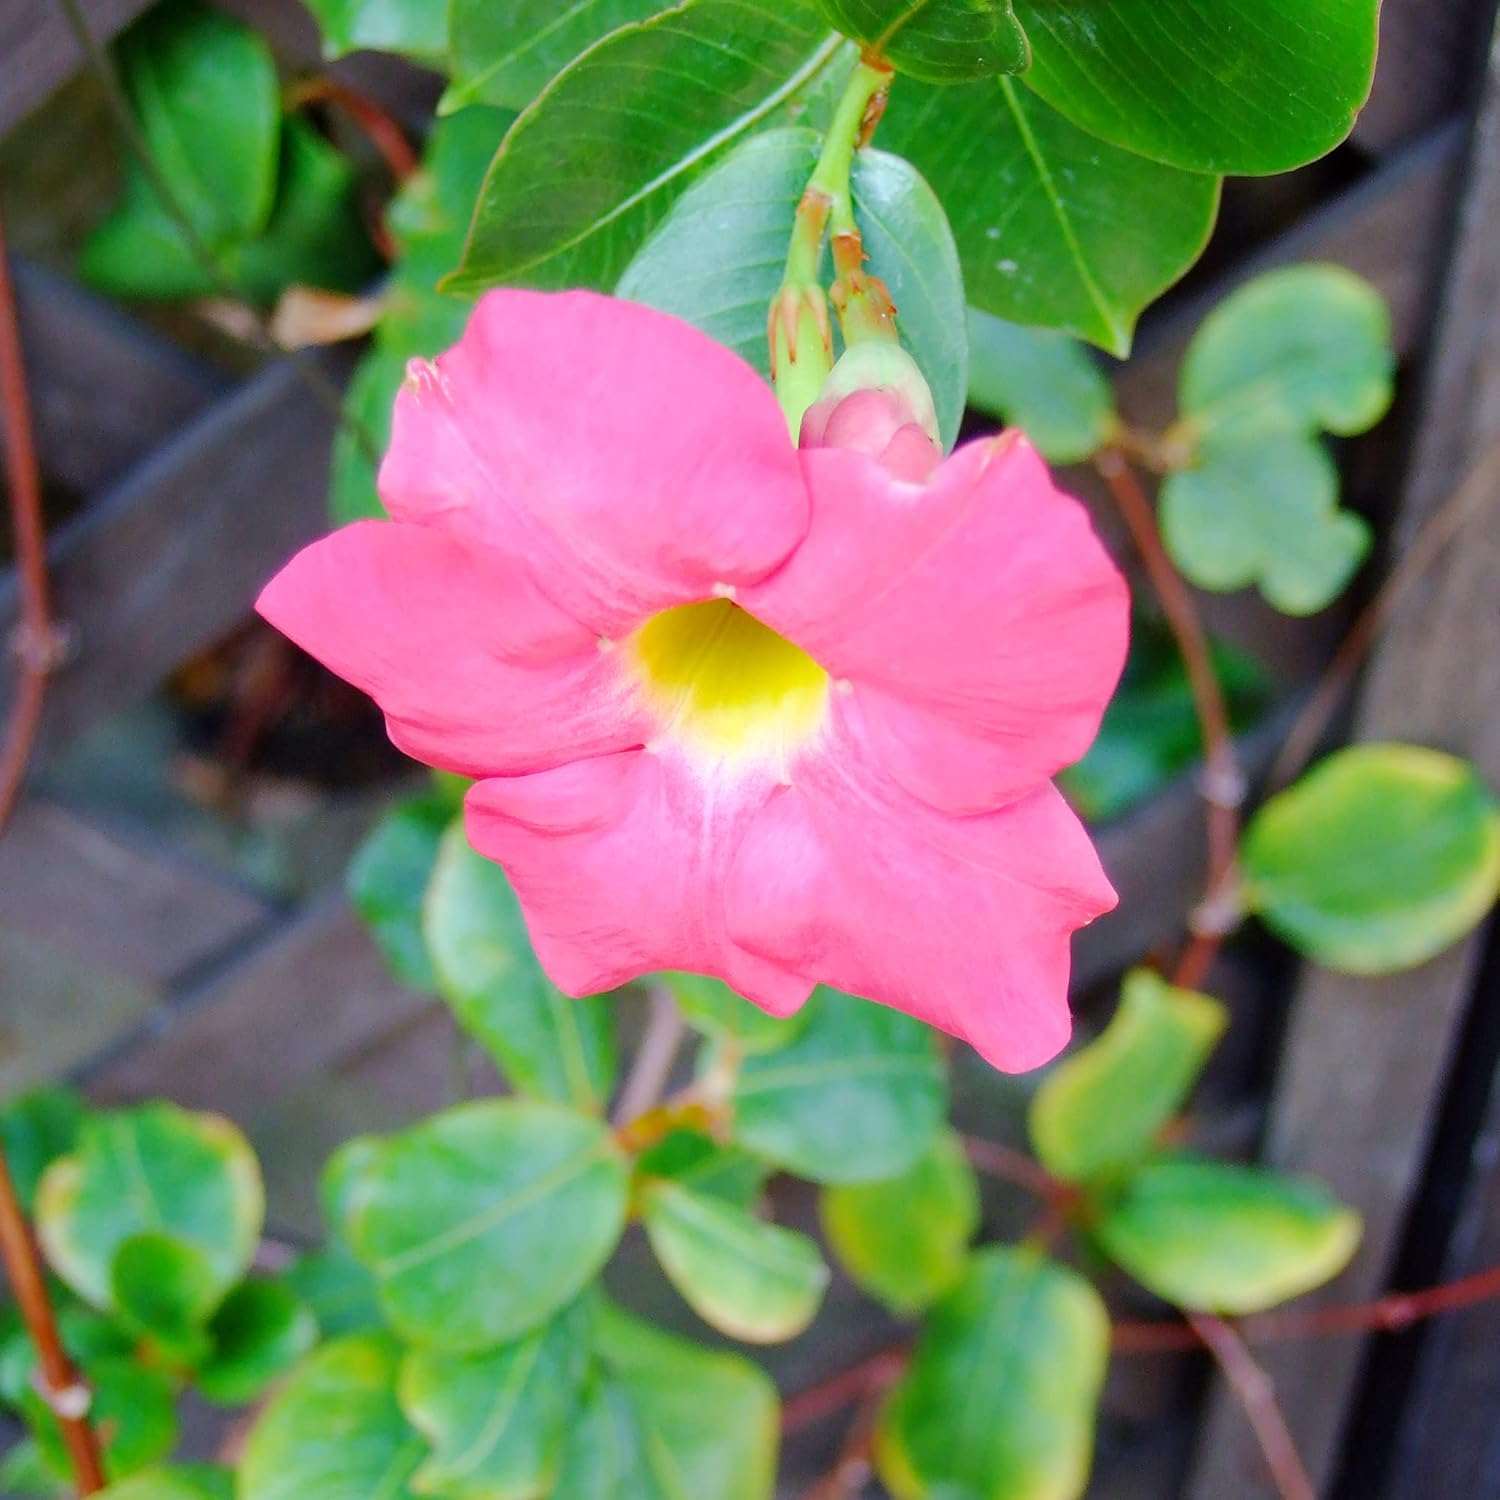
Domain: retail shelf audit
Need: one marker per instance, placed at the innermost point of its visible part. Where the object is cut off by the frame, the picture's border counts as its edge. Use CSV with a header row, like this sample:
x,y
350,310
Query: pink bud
x,y
877,402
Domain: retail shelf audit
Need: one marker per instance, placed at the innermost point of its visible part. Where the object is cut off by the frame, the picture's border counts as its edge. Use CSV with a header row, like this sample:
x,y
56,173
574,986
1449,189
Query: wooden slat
x,y
1425,63
38,53
295,1007
173,557
151,917
1365,1059
105,389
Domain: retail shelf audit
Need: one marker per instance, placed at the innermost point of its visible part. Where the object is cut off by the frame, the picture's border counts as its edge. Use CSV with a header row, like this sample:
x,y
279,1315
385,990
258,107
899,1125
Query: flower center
x,y
727,684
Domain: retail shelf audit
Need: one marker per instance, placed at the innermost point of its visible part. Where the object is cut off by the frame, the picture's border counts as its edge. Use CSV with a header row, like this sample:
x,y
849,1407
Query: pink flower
x,y
780,717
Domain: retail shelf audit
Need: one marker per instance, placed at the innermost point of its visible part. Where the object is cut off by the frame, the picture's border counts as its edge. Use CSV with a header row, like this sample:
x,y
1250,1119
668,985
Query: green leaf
x,y
670,1420
204,90
352,496
1000,1399
1042,382
1376,860
341,1181
1227,1239
591,167
1100,1111
711,1007
152,1169
752,1280
139,251
481,1222
337,1290
507,54
497,1422
1264,512
941,41
414,28
545,1043
856,1098
906,1240
1295,351
389,876
133,1411
1054,228
1151,732
718,257
700,1164
36,1128
315,236
334,1430
260,1332
165,1290
1241,86
25,1471
177,1482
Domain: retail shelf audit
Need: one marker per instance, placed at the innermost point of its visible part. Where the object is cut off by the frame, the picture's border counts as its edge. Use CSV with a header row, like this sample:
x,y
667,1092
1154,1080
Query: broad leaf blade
x,y
414,28
942,41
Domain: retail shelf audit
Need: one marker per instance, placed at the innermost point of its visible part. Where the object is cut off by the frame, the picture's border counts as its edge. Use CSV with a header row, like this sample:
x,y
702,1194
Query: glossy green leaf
x,y
591,167
204,90
1042,382
1377,860
1264,512
1229,86
139,251
1151,732
342,1179
906,1240
334,1431
1099,1112
1000,1399
751,1279
133,1411
1294,351
152,1169
711,1007
165,1290
481,1222
942,41
1054,228
497,1421
177,1482
857,1097
1223,1238
36,1128
26,1473
545,1043
388,878
507,54
700,1164
337,1289
316,235
259,1332
670,1420
718,257
414,28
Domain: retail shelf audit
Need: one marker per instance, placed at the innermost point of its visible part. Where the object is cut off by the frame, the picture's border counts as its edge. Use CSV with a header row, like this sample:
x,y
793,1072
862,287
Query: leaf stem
x,y
654,1058
1223,782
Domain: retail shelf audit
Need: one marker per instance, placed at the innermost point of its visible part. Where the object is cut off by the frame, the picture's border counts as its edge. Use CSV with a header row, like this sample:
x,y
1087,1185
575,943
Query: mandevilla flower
x,y
782,717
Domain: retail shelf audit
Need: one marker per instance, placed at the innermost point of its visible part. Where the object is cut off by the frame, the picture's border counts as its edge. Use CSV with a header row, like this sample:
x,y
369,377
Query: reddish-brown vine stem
x,y
1223,780
1257,1396
35,649
380,128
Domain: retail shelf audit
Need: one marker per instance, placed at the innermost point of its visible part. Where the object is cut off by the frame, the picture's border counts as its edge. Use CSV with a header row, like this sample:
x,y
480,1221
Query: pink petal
x,y
632,460
962,921
476,670
619,863
979,619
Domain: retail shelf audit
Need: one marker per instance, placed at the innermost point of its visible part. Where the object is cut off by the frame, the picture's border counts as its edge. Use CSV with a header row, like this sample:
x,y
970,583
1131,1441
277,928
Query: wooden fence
x,y
198,487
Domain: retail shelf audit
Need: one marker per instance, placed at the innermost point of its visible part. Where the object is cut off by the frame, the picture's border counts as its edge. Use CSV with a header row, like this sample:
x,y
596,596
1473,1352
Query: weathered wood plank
x,y
1425,66
37,50
150,917
296,1006
172,558
105,389
1365,1060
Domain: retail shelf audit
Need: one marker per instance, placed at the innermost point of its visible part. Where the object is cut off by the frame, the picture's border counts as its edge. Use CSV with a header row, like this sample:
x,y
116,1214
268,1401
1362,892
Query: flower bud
x,y
876,402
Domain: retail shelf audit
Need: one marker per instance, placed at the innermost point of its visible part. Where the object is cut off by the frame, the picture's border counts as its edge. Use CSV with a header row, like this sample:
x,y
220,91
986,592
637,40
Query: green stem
x,y
850,128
